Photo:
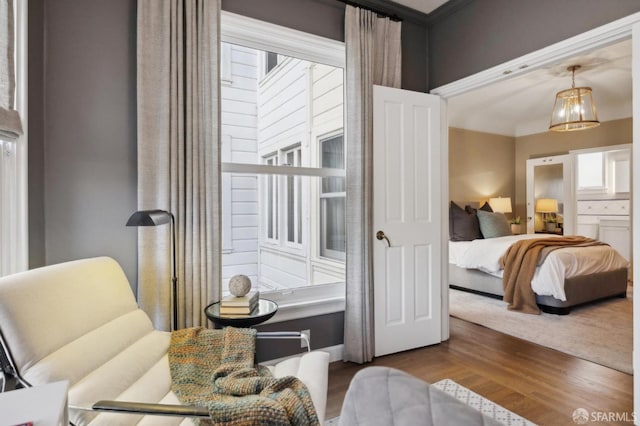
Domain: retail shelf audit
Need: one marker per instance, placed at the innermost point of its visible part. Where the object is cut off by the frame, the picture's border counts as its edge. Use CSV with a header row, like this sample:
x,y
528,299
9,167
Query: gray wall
x,y
36,133
479,34
326,18
83,142
82,124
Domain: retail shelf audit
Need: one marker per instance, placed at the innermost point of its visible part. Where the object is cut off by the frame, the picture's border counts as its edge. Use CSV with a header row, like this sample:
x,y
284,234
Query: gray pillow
x,y
463,226
493,224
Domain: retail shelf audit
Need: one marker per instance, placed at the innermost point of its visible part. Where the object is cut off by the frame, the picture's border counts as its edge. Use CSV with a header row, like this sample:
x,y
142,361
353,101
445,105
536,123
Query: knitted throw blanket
x,y
519,263
215,369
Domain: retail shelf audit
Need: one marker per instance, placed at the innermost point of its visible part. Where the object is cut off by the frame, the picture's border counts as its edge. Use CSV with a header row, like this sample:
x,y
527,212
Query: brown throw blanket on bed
x,y
215,369
519,264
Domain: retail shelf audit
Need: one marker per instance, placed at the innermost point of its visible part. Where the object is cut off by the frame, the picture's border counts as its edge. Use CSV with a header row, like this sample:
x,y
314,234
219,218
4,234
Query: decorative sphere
x,y
239,285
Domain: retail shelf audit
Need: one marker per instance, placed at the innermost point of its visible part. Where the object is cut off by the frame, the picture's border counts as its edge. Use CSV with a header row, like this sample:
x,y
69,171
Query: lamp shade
x,y
547,205
574,108
149,218
501,204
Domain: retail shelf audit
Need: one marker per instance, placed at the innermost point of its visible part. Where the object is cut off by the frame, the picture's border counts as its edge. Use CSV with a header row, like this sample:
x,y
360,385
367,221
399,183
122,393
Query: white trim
x,y
302,302
14,219
635,218
444,220
22,69
244,31
590,40
335,354
310,308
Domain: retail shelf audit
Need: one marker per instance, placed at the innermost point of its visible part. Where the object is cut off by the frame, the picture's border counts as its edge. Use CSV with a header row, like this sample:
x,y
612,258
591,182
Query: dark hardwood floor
x,y
538,383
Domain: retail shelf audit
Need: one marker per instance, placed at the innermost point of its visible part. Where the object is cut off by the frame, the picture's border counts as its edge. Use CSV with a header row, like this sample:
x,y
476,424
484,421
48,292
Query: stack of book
x,y
233,306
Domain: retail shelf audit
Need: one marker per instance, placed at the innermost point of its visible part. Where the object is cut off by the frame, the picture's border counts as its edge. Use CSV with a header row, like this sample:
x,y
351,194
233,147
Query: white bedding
x,y
485,254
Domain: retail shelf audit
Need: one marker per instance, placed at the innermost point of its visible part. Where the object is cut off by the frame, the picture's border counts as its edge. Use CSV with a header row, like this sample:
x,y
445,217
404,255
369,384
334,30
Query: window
x,y
603,171
294,197
271,61
288,150
272,203
333,200
13,162
591,171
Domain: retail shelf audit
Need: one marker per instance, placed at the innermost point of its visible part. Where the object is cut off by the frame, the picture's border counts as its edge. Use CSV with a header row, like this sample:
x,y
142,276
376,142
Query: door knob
x,y
380,236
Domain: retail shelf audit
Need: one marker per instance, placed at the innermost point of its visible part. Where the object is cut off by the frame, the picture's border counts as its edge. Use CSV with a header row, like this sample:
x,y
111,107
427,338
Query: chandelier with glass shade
x,y
574,108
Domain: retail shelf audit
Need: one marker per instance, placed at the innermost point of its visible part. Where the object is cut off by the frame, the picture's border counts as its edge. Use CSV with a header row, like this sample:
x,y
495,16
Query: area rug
x,y
600,332
482,404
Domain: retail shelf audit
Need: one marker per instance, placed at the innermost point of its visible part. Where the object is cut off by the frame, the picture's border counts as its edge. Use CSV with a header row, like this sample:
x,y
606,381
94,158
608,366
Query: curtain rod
x,y
393,17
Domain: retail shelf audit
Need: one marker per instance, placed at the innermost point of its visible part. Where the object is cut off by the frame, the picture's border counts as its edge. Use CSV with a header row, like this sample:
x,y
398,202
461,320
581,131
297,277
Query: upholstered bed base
x,y
579,290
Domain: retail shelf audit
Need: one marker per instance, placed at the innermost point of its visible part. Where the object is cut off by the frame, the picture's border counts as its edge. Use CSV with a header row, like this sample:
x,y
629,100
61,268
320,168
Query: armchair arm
x,y
151,409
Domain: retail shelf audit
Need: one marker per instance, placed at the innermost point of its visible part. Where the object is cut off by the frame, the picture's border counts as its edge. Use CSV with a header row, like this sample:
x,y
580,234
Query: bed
x,y
568,277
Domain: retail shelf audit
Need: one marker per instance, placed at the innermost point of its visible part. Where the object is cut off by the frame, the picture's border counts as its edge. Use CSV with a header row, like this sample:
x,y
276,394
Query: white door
x,y
407,209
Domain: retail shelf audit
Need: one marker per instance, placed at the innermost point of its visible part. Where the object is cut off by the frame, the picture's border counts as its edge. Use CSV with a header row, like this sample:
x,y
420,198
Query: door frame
x,y
624,28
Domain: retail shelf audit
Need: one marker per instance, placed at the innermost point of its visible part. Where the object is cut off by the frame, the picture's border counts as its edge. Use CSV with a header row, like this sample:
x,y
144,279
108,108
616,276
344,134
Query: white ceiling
x,y
522,105
424,6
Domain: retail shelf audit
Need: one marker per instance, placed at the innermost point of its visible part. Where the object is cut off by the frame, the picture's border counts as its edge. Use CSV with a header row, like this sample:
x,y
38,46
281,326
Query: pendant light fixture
x,y
574,108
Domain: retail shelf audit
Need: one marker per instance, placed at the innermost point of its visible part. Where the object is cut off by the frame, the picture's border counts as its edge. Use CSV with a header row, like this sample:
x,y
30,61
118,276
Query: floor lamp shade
x,y
155,218
149,218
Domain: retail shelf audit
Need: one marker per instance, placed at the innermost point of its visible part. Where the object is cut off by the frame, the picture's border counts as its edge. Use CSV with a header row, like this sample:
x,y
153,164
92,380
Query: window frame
x,y
324,252
272,198
244,31
297,197
14,249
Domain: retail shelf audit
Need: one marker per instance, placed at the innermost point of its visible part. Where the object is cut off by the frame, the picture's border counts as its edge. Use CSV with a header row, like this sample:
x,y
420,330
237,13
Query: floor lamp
x,y
155,218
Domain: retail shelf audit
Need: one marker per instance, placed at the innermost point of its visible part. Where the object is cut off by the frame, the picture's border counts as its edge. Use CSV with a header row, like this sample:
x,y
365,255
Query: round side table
x,y
266,309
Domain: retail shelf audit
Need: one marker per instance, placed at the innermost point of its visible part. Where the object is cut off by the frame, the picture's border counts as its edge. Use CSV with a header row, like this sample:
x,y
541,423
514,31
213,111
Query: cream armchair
x,y
79,321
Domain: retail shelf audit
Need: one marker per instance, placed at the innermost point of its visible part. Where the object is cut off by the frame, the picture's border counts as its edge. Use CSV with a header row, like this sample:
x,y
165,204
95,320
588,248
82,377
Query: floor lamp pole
x,y
174,279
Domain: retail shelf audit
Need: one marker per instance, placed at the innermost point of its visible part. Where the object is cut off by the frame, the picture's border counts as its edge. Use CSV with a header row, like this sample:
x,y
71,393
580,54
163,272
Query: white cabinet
x,y
606,220
603,207
616,233
602,190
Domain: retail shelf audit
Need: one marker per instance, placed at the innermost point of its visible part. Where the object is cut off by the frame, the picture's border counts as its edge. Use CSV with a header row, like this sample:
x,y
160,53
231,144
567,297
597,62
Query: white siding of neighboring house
x,y
299,102
239,144
283,123
327,119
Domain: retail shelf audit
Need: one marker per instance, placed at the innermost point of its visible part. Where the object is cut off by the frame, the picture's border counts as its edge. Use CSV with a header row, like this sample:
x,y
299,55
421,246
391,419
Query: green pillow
x,y
493,224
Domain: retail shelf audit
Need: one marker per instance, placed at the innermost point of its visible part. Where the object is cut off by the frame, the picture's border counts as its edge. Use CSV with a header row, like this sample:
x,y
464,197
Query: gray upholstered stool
x,y
381,396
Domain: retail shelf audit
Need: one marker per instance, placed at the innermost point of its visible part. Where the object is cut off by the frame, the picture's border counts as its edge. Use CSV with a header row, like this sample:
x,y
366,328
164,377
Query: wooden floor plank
x,y
538,383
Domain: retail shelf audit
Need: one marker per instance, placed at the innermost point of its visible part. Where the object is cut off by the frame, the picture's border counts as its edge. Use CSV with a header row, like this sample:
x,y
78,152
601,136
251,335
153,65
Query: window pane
x,y
270,230
590,170
333,227
271,61
291,224
333,158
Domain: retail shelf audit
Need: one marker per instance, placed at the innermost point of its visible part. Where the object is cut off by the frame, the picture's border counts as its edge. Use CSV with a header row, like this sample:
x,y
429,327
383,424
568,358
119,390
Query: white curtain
x,y
10,124
374,56
179,155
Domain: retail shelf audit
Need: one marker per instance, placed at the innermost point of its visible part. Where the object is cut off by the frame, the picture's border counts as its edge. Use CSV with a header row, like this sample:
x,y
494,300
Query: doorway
x,y
584,43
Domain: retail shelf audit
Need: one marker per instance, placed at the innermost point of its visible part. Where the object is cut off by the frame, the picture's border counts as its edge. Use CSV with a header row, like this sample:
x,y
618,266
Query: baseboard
x,y
335,354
